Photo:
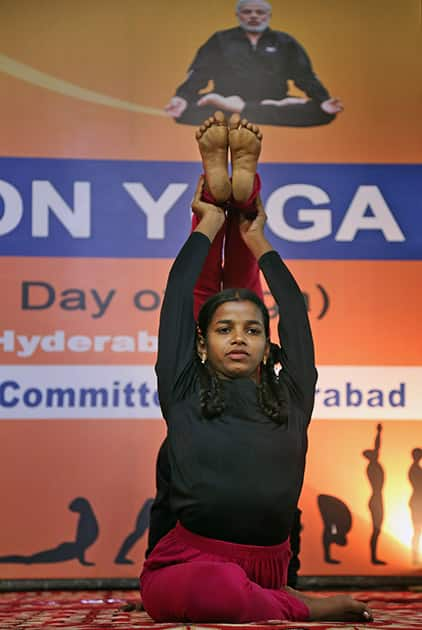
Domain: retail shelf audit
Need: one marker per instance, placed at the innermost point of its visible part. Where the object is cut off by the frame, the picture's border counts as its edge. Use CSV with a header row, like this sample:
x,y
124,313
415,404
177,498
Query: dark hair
x,y
272,391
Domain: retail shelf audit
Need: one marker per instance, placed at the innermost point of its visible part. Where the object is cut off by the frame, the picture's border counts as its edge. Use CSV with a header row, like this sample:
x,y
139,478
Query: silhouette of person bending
x,y
375,473
86,535
415,502
337,520
141,525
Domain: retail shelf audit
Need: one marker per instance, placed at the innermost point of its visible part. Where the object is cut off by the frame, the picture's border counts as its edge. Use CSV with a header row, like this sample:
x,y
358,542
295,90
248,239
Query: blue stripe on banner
x,y
127,209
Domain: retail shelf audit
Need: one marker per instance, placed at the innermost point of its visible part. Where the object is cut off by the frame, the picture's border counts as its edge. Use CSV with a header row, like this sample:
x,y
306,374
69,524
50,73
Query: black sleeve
x,y
296,342
201,71
301,72
162,519
176,335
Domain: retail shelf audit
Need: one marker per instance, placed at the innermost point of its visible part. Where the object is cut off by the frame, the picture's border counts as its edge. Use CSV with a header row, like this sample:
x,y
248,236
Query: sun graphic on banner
x,y
397,519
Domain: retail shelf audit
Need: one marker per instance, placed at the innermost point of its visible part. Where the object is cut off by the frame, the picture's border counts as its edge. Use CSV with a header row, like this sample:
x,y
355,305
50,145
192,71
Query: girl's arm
x,y
298,359
176,336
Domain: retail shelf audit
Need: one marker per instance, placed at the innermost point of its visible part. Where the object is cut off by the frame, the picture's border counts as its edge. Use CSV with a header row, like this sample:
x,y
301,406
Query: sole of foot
x,y
245,141
212,138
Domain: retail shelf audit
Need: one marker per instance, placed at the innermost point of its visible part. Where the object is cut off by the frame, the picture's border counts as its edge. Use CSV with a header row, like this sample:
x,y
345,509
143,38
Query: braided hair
x,y
271,391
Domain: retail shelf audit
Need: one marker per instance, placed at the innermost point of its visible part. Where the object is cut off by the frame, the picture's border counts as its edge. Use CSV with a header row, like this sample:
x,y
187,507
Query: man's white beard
x,y
259,28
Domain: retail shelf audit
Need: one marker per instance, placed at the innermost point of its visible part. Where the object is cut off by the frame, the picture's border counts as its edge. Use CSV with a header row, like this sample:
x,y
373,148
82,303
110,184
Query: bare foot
x,y
334,608
245,147
212,137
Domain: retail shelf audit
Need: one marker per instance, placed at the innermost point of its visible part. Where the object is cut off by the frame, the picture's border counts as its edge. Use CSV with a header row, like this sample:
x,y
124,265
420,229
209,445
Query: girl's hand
x,y
202,208
211,217
252,231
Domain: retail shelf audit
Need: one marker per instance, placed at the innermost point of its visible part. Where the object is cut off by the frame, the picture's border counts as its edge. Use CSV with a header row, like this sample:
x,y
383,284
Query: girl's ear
x,y
201,347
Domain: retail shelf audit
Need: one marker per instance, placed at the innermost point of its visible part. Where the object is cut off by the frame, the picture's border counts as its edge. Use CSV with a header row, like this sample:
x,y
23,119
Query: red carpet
x,y
85,610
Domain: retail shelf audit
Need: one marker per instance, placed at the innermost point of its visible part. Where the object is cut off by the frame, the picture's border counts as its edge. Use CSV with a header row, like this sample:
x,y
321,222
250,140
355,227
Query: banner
x,y
98,166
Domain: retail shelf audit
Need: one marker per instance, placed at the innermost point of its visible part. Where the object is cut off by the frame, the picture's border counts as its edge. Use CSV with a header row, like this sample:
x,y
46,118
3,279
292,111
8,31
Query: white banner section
x,y
127,391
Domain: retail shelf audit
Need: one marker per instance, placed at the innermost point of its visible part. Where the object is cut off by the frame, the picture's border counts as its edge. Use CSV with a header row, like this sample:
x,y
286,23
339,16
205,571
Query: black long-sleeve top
x,y
253,73
236,477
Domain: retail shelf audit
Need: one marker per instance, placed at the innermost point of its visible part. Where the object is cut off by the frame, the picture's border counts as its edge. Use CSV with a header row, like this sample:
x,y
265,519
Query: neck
x,y
253,37
255,377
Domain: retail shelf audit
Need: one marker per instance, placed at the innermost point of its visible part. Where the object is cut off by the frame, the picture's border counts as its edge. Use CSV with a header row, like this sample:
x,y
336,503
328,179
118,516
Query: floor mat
x,y
92,610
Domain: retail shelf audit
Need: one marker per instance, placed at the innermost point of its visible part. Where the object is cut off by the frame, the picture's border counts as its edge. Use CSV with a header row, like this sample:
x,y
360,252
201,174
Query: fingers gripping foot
x,y
212,138
245,146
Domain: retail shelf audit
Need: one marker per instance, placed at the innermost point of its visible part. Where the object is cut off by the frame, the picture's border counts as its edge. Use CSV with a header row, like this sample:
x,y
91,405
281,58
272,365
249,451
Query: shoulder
x,y
283,38
229,33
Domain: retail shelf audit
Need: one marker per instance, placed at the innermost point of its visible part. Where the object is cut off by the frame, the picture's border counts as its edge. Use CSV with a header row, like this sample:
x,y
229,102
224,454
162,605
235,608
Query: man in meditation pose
x,y
250,67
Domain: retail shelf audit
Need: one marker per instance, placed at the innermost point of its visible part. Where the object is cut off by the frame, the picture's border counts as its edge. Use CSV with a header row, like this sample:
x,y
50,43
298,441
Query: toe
x,y
366,612
219,117
234,121
244,122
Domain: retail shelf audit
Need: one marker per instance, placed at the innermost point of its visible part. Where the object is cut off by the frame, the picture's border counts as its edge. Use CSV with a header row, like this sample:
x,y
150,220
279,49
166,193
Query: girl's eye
x,y
254,331
224,330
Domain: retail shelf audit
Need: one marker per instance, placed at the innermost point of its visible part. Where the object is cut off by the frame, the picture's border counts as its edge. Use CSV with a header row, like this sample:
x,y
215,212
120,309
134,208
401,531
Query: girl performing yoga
x,y
236,425
240,270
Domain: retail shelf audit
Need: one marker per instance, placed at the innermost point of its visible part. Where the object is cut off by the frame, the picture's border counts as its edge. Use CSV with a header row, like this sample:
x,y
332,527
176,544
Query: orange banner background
x,y
137,53
112,463
367,54
373,316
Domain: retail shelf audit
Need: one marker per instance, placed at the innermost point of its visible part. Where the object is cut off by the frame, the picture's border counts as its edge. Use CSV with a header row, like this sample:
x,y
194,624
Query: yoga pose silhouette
x,y
337,520
86,535
375,474
415,502
141,525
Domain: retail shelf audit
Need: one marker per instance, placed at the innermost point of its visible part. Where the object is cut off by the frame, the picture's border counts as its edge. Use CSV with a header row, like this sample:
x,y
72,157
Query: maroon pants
x,y
240,268
189,578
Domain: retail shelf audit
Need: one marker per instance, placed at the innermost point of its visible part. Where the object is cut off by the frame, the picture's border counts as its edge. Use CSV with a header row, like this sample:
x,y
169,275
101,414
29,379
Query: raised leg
x,y
241,268
245,146
212,137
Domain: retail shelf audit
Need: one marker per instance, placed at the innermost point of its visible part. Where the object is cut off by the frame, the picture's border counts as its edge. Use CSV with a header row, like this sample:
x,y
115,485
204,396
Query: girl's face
x,y
236,341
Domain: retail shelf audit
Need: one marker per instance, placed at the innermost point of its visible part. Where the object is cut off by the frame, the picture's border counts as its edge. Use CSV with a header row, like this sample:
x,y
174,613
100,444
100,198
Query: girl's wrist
x,y
210,224
259,246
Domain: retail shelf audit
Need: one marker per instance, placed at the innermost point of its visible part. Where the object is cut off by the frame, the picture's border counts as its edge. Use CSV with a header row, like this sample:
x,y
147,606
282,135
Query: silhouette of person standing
x,y
141,525
337,520
86,535
415,502
375,473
